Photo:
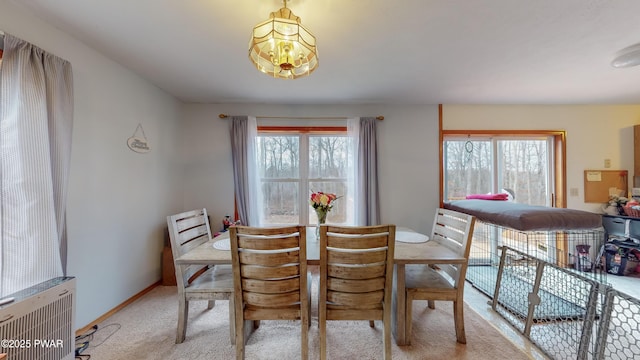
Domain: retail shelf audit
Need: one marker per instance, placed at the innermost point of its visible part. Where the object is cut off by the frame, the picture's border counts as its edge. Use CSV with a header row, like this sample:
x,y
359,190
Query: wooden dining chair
x,y
197,282
445,283
270,279
356,274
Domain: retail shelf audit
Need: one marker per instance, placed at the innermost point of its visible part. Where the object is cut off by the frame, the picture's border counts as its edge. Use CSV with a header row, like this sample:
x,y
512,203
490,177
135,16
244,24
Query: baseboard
x,y
117,308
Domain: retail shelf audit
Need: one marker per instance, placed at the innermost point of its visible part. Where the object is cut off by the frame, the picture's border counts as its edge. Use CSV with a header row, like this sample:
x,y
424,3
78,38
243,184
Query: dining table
x,y
411,247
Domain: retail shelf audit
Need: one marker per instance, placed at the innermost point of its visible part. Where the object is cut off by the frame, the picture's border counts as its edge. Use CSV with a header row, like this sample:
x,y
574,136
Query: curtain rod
x,y
224,116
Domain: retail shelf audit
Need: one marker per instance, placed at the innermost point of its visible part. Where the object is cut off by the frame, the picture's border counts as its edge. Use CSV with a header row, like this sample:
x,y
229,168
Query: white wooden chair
x,y
197,282
423,282
356,275
270,280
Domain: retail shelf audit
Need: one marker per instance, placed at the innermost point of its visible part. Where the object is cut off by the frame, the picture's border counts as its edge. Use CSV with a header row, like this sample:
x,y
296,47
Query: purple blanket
x,y
526,217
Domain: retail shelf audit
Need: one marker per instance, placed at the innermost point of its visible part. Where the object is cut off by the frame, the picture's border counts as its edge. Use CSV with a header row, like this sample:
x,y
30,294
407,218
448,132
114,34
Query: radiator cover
x,y
38,325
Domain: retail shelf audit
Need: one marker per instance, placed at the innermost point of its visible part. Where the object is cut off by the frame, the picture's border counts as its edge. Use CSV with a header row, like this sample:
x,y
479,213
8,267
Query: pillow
x,y
501,196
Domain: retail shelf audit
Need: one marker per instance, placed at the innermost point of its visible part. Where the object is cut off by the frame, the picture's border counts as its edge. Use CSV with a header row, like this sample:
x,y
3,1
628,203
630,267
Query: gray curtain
x,y
239,137
367,173
36,119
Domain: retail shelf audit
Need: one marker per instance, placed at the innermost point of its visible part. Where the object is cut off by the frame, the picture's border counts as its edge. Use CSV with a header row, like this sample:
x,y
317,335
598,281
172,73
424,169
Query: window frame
x,y
304,133
558,143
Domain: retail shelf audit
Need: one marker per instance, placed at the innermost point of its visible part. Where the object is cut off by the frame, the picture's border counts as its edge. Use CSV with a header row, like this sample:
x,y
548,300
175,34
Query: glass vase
x,y
322,218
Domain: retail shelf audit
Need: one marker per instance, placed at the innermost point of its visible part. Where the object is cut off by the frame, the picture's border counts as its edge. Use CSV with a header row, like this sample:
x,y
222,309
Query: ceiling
x,y
371,51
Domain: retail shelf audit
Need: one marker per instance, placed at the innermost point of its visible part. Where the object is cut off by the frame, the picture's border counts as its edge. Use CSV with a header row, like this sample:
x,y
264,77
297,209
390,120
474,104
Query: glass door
x,y
524,167
520,166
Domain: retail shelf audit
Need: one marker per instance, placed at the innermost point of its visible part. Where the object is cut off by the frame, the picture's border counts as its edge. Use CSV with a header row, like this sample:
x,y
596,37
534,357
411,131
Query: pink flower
x,y
322,201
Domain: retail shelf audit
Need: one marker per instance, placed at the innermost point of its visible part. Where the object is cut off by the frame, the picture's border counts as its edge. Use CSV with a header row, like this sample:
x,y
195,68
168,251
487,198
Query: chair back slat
x,y
271,259
189,234
271,300
454,230
268,243
355,285
274,232
271,286
188,220
370,299
452,220
453,235
357,273
362,257
350,241
270,266
266,273
187,230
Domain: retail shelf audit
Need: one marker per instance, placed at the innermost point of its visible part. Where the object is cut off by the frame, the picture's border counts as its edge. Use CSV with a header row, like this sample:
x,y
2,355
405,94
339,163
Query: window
x,y
529,164
292,163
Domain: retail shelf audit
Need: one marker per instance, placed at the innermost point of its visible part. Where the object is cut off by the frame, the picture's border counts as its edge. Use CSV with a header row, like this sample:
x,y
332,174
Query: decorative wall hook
x,y
137,143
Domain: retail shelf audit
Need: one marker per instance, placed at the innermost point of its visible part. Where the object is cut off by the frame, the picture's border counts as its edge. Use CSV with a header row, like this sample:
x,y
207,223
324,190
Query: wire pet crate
x,y
619,333
574,250
565,314
557,308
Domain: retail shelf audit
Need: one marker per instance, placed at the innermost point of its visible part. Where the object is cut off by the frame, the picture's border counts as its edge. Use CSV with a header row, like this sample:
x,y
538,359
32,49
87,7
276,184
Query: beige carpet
x,y
146,330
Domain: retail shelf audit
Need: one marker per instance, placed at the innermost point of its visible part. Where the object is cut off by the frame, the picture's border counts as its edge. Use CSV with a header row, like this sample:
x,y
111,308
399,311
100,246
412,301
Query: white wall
x,y
408,156
118,199
594,133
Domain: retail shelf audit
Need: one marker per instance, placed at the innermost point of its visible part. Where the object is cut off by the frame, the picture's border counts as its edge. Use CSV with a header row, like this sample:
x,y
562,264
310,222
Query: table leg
x,y
398,304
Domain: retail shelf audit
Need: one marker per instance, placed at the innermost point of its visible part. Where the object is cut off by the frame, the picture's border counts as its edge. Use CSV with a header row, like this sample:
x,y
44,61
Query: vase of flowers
x,y
322,203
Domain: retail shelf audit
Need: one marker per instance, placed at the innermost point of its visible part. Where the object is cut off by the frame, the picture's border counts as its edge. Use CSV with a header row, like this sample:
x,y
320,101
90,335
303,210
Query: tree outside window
x,y
480,166
294,163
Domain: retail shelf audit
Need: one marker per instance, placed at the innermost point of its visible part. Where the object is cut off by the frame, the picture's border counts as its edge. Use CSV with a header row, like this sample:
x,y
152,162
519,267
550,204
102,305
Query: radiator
x,y
38,324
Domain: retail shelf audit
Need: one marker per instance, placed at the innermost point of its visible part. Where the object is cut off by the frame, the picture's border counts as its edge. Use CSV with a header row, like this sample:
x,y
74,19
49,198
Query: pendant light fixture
x,y
281,47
